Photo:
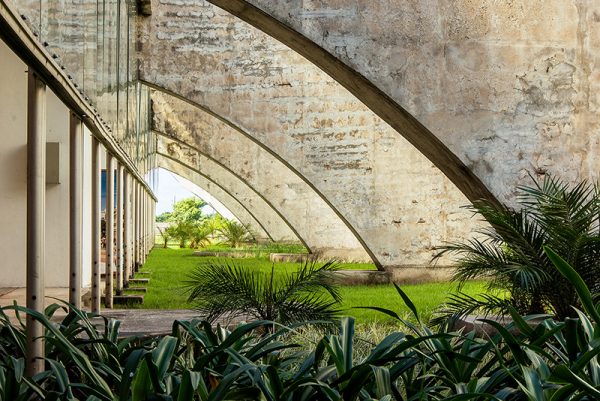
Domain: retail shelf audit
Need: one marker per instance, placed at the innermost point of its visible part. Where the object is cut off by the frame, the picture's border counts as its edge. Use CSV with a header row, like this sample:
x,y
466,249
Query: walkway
x,y
141,322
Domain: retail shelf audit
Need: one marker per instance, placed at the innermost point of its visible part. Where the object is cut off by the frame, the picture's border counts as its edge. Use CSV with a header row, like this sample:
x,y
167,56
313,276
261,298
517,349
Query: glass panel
x,y
90,16
93,41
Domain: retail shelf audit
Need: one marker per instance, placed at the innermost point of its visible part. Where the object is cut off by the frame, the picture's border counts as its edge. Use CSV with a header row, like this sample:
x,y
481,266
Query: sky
x,y
170,188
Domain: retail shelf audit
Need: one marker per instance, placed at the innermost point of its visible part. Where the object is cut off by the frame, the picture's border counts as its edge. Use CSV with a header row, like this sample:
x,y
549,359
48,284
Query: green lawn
x,y
170,267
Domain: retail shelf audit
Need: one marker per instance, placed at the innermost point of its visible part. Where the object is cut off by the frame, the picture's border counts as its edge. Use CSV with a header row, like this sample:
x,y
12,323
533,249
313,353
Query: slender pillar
x,y
136,227
36,227
96,225
75,208
119,247
139,227
126,228
109,218
144,225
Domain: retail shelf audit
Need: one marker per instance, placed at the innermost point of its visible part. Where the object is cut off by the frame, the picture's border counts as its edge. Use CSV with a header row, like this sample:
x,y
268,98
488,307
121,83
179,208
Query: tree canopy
x,y
188,210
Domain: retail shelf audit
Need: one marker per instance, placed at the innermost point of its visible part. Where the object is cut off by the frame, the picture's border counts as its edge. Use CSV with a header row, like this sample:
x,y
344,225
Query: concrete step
x,y
127,299
136,289
139,280
145,273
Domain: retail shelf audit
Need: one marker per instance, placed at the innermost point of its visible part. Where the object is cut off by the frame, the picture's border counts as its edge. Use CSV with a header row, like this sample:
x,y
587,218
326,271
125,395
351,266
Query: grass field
x,y
169,269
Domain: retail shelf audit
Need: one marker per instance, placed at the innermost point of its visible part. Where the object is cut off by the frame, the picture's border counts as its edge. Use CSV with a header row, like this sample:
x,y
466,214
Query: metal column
x,y
36,197
109,218
96,225
75,208
119,247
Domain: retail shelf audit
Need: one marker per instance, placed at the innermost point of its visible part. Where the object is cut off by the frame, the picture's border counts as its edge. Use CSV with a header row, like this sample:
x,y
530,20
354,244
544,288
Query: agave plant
x,y
510,256
219,289
235,234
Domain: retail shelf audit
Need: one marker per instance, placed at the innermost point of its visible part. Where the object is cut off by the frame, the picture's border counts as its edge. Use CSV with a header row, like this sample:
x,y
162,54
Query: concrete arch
x,y
229,184
224,199
191,134
359,164
497,84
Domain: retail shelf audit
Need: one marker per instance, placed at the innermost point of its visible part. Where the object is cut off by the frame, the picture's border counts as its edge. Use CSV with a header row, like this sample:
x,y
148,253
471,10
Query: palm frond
x,y
460,305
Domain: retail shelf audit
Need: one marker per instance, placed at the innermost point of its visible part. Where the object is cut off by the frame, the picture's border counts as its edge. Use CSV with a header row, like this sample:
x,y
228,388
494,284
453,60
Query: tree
x,y
509,254
235,234
219,289
200,235
187,210
163,217
183,232
166,234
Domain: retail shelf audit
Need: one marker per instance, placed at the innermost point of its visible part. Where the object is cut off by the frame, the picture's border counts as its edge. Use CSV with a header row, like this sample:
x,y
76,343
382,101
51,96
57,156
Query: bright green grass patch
x,y
426,297
259,249
170,268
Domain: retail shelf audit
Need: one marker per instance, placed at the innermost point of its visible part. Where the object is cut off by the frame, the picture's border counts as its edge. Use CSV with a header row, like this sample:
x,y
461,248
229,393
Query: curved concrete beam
x,y
277,228
498,83
220,196
390,195
304,212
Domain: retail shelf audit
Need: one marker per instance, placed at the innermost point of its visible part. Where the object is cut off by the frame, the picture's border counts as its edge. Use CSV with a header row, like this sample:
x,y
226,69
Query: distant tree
x,y
235,234
164,217
166,234
187,210
183,232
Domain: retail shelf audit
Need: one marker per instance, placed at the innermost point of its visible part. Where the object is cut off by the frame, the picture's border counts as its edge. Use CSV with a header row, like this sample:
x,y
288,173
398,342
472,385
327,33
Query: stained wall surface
x,y
511,87
397,203
179,123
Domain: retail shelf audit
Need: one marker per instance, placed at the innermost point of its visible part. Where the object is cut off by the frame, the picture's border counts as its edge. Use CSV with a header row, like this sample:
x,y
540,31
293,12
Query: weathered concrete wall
x,y
300,206
399,205
179,159
224,199
508,86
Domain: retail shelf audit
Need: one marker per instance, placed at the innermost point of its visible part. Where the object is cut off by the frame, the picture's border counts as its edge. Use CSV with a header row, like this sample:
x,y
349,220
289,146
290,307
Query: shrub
x,y
509,254
219,289
235,234
552,360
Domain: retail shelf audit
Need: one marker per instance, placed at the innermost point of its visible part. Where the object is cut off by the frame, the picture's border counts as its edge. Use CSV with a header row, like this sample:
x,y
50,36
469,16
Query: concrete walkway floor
x,y
139,322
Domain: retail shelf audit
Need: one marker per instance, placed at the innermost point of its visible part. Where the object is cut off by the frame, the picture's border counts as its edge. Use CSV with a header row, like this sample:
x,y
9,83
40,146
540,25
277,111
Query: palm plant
x,y
165,234
219,289
200,236
509,253
235,234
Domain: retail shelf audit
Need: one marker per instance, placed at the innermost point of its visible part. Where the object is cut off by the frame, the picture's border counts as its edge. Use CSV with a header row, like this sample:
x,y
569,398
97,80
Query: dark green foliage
x,y
188,210
510,253
224,289
543,361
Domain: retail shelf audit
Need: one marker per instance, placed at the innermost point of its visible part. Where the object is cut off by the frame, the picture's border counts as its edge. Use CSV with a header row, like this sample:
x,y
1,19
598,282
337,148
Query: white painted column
x,y
109,217
126,228
75,208
96,224
36,227
136,225
119,247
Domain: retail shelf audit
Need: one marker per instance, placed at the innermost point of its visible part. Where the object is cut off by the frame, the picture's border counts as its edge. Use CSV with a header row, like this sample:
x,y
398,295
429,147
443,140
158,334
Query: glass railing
x,y
94,42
